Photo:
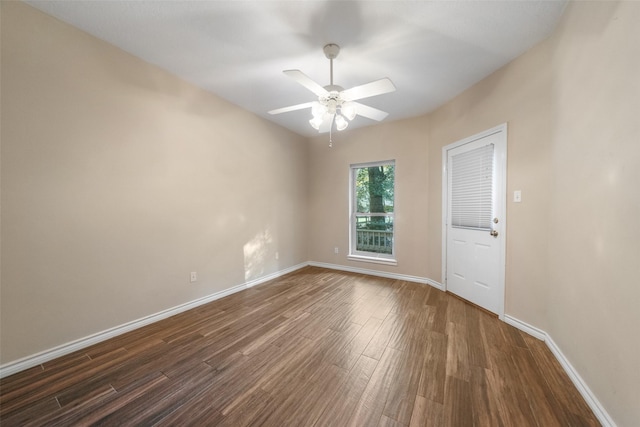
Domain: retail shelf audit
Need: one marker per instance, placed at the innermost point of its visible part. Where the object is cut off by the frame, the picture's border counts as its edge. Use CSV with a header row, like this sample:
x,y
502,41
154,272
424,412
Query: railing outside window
x,y
374,241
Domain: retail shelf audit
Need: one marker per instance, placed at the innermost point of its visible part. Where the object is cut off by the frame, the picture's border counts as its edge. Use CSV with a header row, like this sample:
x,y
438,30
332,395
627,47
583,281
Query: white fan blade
x,y
327,122
291,108
370,112
367,90
306,81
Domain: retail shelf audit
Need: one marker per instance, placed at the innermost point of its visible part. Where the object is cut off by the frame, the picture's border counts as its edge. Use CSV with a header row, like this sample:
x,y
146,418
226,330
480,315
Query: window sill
x,y
373,260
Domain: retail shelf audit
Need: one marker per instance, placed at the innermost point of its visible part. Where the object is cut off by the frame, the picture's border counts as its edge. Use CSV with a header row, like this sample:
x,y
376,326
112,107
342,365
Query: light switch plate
x,y
517,196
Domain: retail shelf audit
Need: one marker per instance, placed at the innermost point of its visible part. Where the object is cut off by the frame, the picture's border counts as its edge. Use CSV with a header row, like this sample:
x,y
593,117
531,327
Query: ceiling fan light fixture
x,y
341,123
316,122
318,110
348,110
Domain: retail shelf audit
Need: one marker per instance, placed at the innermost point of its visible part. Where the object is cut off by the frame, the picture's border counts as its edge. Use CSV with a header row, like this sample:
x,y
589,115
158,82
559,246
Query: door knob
x,y
494,233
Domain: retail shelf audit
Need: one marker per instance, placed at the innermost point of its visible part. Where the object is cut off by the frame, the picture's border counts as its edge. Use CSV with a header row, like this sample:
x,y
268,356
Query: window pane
x,y
472,188
374,189
374,234
372,210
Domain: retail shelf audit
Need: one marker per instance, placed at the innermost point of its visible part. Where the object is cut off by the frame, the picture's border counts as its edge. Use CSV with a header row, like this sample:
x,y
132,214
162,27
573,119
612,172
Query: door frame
x,y
501,187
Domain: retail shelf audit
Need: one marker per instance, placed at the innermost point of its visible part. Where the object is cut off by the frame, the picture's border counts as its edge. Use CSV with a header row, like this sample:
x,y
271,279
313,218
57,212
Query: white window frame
x,y
372,257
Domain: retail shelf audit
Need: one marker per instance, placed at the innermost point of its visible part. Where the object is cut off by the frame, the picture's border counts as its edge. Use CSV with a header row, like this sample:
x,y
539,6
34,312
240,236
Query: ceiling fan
x,y
335,104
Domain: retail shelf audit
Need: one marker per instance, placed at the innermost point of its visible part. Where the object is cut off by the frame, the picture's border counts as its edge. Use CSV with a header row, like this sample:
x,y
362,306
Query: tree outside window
x,y
373,209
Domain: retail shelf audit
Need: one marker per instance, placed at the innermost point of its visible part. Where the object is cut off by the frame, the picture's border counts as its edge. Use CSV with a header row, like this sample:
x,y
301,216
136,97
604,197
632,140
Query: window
x,y
472,189
372,212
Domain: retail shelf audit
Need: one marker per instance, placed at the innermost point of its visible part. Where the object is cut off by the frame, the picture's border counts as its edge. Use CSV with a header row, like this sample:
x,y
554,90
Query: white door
x,y
474,218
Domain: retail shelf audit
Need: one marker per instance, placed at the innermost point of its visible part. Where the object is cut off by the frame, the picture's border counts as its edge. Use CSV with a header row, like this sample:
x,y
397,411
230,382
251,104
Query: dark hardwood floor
x,y
313,348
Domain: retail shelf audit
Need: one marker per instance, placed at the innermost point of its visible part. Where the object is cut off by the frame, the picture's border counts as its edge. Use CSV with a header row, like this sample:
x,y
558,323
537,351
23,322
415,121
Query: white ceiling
x,y
431,50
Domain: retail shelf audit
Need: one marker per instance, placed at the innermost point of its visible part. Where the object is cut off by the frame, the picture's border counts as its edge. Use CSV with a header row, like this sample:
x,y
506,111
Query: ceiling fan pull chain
x,y
330,141
330,129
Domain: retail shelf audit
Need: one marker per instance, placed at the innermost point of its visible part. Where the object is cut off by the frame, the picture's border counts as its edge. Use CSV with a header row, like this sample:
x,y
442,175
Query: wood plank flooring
x,y
313,348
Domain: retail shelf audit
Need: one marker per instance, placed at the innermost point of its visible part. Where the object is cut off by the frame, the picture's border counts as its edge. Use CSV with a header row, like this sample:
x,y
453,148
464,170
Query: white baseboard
x,y
525,327
377,273
42,357
64,349
272,276
581,385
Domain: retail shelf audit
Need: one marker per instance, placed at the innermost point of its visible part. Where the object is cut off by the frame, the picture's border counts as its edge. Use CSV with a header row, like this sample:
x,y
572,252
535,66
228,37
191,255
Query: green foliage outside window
x,y
374,193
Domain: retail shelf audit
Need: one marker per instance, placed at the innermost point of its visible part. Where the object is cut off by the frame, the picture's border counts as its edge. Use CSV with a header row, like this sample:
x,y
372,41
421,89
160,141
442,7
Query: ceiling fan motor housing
x,y
331,50
332,101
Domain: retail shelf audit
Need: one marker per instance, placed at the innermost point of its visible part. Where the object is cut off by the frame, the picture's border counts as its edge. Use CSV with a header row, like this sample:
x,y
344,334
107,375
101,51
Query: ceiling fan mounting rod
x,y
331,51
331,71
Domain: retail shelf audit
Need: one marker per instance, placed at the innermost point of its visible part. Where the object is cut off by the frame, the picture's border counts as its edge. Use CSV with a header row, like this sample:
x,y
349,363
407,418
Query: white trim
x,y
581,385
64,349
272,276
377,273
372,259
525,327
595,405
61,350
501,186
373,164
42,357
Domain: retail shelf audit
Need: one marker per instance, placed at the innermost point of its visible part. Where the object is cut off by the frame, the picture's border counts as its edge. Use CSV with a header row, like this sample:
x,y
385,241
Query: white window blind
x,y
472,188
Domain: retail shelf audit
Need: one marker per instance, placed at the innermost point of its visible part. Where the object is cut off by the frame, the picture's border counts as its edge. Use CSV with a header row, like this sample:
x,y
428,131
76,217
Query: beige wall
x,y
119,179
111,194
573,248
572,106
594,235
403,141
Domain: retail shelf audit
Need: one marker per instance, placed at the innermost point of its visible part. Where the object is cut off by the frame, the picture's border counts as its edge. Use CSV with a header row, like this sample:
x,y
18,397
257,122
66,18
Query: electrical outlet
x,y
194,277
277,255
336,250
